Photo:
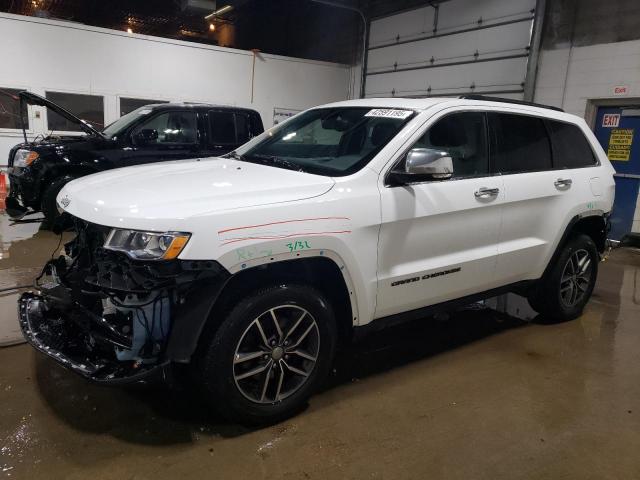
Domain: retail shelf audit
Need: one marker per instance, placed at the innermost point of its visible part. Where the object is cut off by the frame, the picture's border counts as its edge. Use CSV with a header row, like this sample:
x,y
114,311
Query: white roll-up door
x,y
454,48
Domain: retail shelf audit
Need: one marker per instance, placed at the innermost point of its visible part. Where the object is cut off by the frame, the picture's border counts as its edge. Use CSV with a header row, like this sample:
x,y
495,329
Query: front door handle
x,y
563,182
484,192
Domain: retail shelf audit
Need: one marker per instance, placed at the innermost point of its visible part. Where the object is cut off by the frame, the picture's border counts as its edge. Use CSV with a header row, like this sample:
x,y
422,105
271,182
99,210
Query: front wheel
x,y
270,354
563,293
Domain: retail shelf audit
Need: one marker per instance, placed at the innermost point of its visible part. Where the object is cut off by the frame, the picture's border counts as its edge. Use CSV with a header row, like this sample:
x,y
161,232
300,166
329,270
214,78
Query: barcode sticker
x,y
389,113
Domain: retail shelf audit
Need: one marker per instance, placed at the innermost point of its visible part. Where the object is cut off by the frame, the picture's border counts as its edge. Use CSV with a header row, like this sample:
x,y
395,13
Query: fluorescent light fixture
x,y
220,11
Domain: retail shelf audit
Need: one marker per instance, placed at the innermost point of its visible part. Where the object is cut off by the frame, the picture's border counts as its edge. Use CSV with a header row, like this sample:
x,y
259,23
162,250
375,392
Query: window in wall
x,y
521,143
570,147
463,136
170,128
87,107
128,105
9,109
228,128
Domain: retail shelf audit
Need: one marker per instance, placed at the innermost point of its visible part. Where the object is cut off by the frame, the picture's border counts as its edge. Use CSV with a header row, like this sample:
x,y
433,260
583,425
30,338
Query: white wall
x,y
41,55
567,77
457,40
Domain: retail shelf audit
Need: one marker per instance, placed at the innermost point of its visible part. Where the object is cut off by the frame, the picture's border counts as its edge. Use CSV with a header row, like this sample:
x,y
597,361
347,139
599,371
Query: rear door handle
x,y
484,192
563,182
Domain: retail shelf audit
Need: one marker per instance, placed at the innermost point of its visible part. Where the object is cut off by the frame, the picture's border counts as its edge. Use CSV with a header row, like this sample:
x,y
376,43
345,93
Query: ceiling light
x,y
220,11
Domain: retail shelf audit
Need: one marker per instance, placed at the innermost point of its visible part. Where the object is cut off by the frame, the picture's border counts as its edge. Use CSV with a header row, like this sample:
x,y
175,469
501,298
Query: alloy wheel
x,y
576,278
276,354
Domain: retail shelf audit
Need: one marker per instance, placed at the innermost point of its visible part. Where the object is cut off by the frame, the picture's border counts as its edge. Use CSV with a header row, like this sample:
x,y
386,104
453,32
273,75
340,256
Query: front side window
x,y
329,141
10,109
169,128
89,108
570,147
520,143
463,136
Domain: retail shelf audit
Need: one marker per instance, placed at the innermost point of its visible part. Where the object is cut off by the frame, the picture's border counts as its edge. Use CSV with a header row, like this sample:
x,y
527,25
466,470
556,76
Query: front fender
x,y
244,258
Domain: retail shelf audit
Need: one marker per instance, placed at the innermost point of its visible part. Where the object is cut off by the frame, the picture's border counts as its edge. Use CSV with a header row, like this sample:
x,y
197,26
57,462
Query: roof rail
x,y
506,100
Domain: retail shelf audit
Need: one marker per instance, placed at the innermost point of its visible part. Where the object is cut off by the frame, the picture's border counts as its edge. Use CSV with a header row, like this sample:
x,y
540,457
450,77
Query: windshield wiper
x,y
233,155
268,159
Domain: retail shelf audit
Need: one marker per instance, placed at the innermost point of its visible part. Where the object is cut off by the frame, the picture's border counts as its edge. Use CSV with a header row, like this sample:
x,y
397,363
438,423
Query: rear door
x,y
546,183
439,239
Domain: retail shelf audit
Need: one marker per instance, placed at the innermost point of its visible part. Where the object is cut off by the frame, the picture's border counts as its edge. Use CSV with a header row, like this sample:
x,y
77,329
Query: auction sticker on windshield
x,y
389,113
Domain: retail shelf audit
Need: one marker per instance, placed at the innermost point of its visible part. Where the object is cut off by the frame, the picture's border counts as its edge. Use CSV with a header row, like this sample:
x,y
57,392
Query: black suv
x,y
154,133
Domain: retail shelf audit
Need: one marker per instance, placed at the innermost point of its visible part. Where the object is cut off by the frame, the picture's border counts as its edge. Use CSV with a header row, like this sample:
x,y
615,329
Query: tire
x,y
48,203
564,291
304,317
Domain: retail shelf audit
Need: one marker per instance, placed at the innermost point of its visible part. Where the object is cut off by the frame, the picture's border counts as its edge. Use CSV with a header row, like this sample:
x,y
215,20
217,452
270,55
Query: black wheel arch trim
x,y
571,229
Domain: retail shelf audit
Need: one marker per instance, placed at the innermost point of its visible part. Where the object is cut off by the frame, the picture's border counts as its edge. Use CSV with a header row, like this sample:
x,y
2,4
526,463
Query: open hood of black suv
x,y
33,99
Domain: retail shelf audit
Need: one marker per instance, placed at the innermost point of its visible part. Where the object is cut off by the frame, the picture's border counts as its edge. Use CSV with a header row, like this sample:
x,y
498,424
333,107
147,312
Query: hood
x,y
164,196
33,99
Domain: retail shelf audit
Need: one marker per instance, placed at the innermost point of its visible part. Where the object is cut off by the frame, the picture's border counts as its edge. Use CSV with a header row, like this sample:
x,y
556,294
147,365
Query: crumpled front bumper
x,y
71,317
57,344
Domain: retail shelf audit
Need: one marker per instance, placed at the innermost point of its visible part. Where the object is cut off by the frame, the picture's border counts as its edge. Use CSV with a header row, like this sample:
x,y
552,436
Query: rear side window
x,y
570,147
228,128
519,143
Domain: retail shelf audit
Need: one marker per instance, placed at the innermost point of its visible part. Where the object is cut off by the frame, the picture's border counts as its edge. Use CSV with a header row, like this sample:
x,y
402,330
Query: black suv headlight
x,y
24,158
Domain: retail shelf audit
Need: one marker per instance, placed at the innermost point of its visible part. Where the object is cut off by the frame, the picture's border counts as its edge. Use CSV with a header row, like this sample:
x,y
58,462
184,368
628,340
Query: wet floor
x,y
478,395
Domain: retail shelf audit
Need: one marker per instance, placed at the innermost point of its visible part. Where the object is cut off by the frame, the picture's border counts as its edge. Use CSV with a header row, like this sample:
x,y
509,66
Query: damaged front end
x,y
114,319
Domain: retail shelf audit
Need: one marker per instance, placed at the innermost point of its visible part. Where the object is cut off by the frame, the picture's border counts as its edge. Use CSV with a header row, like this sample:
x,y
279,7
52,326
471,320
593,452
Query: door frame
x,y
593,104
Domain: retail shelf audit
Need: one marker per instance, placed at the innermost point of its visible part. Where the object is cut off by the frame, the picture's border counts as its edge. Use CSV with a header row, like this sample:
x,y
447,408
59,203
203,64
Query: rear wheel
x,y
270,354
48,204
567,287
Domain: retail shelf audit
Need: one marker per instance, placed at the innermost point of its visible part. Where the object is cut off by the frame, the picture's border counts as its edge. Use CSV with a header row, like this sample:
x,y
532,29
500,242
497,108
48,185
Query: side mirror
x,y
146,136
424,164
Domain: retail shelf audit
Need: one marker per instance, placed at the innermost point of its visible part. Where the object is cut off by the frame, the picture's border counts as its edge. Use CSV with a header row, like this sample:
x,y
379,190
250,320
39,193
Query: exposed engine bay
x,y
112,318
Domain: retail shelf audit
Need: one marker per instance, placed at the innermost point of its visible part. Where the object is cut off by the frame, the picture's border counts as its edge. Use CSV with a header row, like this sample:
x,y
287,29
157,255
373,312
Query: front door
x,y
618,131
439,239
171,135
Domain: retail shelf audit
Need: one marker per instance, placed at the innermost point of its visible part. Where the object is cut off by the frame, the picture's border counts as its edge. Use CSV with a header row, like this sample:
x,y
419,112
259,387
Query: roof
x,y
195,105
395,102
426,103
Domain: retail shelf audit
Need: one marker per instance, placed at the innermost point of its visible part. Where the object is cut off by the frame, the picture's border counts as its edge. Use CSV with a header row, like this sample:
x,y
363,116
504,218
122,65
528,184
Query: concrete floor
x,y
477,396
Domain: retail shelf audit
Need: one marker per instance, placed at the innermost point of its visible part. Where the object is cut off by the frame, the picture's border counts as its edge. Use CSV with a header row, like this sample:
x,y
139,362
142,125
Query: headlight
x,y
147,245
24,158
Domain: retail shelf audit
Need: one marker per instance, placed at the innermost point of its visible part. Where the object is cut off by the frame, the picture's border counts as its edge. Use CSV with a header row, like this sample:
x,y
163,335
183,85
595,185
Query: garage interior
x,y
489,390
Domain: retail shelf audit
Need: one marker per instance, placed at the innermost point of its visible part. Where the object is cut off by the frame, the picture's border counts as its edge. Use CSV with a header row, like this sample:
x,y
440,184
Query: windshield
x,y
123,122
329,141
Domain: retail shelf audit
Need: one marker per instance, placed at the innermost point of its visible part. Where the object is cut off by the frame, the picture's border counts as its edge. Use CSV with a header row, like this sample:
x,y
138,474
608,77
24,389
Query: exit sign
x,y
621,90
610,120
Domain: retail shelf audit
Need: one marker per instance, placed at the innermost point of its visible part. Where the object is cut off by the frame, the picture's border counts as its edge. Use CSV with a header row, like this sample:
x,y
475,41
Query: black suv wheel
x,y
269,355
567,287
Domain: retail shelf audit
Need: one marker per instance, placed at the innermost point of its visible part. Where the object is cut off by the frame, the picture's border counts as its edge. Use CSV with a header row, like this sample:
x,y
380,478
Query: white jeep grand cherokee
x,y
253,267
